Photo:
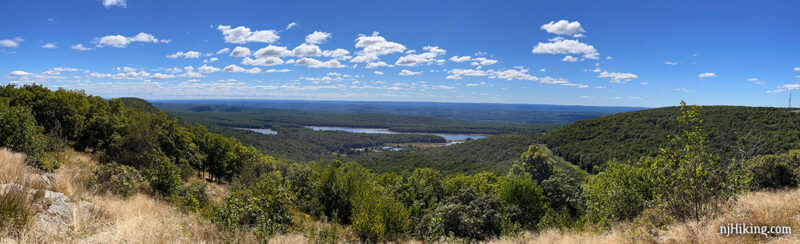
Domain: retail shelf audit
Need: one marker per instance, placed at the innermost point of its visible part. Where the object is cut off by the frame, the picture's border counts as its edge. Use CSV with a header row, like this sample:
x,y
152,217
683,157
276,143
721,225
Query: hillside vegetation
x,y
493,153
733,132
156,178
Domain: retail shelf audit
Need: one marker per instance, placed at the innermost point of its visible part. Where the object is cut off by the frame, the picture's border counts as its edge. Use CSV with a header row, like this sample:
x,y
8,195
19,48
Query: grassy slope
x,y
629,136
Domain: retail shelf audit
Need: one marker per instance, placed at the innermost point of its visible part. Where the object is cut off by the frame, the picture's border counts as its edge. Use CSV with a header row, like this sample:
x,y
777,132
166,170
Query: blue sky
x,y
629,53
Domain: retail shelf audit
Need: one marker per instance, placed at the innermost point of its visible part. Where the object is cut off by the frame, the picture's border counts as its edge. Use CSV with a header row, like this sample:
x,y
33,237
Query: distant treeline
x,y
271,118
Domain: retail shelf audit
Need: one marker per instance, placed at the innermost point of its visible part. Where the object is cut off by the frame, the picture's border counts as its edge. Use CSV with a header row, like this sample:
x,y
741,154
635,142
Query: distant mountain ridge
x,y
476,112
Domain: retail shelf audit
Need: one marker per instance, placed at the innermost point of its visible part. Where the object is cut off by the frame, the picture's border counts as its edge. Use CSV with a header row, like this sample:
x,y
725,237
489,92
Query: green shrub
x,y
265,208
379,218
774,171
163,176
619,193
14,210
523,193
466,215
118,179
192,197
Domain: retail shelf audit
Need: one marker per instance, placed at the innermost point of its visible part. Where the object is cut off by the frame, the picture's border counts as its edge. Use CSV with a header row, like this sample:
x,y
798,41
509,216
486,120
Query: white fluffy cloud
x,y
618,77
461,59
240,52
670,63
483,61
374,46
707,75
237,69
426,57
49,46
120,41
224,50
207,69
265,61
272,51
241,34
563,27
313,63
796,69
409,72
307,50
569,58
111,3
456,74
188,54
377,72
513,74
318,37
560,45
11,42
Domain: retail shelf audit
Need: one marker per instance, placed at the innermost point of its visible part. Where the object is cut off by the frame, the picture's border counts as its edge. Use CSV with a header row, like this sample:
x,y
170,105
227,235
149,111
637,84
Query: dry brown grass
x,y
12,167
776,208
139,219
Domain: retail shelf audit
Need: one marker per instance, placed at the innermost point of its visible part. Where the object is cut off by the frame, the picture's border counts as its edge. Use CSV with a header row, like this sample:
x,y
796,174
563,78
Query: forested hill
x,y
631,135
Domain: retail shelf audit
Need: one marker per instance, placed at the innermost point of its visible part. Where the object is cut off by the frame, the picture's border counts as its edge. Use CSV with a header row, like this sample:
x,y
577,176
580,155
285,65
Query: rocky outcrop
x,y
53,213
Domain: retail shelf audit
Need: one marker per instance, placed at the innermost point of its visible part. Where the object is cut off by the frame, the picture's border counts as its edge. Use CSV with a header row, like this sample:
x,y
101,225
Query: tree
x,y
690,182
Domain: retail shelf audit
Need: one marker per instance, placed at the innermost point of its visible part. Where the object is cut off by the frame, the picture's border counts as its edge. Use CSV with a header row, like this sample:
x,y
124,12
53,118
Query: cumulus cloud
x,y
337,53
569,58
188,54
240,52
566,46
483,61
224,50
373,65
670,63
49,46
207,69
796,69
426,57
374,46
618,77
707,75
456,74
317,37
11,42
241,34
210,60
117,3
119,41
513,74
307,50
237,69
409,72
377,72
265,61
563,27
461,59
272,51
313,63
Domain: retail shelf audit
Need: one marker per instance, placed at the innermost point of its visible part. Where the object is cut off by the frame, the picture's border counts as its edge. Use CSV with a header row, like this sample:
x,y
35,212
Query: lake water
x,y
451,138
262,131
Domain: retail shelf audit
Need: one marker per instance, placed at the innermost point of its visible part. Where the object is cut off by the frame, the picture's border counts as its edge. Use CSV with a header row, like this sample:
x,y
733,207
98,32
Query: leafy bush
x,y
192,197
774,171
265,208
19,132
526,195
619,193
466,215
379,218
118,179
163,176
